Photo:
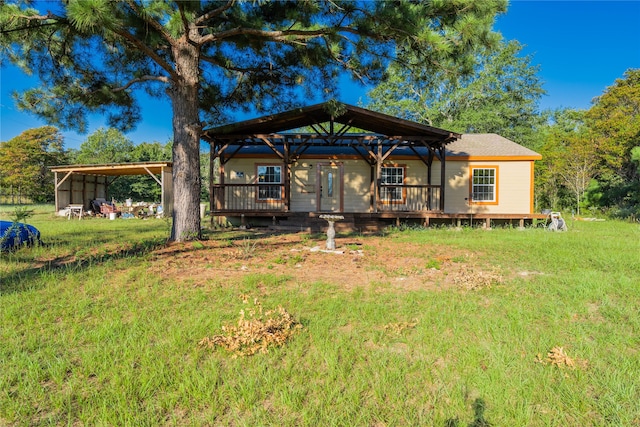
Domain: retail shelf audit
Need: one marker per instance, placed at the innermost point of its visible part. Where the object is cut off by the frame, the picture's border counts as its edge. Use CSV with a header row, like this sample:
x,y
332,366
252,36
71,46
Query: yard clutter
x,y
556,222
129,210
15,234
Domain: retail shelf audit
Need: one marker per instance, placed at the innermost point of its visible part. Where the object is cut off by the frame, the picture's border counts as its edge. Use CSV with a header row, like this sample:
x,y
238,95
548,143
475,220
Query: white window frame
x,y
271,190
484,185
394,195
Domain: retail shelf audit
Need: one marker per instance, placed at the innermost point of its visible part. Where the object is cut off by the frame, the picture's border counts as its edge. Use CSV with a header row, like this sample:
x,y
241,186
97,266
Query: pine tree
x,y
211,58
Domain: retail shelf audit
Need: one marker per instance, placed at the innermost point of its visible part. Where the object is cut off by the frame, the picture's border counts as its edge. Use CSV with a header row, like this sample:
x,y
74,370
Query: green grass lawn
x,y
92,333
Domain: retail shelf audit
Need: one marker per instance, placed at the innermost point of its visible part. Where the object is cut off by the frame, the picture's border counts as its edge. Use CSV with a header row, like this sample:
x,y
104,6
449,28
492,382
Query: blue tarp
x,y
14,234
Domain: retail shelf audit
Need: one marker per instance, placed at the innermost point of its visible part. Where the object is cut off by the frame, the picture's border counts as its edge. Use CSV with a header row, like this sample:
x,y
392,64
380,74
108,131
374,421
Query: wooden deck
x,y
368,221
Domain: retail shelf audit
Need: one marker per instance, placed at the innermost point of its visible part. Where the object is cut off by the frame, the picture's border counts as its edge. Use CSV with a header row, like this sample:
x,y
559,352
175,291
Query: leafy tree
x,y
25,162
144,187
614,121
501,95
578,165
151,152
213,57
570,158
108,146
105,146
112,146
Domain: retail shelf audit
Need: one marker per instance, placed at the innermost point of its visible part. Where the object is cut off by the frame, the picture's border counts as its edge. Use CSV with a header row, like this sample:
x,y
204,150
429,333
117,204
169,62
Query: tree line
x,y
25,163
591,158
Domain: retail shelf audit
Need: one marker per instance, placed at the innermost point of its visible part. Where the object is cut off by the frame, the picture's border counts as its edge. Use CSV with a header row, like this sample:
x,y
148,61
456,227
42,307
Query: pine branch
x,y
185,21
152,22
147,51
204,18
141,80
243,70
277,36
49,16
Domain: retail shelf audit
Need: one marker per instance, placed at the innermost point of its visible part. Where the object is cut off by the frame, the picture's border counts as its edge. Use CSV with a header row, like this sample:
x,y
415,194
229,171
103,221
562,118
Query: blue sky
x,y
582,47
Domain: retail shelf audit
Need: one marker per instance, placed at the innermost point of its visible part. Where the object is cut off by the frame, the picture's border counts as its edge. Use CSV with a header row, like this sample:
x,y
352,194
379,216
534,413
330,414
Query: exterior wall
x,y
514,187
167,190
514,182
303,186
357,185
80,189
356,181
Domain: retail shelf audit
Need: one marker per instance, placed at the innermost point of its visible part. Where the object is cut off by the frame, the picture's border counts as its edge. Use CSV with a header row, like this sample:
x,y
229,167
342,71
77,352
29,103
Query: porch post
x,y
429,179
287,177
372,188
443,162
55,174
378,173
221,193
212,149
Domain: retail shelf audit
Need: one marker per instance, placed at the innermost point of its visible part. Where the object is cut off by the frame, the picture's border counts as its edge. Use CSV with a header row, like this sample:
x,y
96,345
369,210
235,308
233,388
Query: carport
x,y
79,184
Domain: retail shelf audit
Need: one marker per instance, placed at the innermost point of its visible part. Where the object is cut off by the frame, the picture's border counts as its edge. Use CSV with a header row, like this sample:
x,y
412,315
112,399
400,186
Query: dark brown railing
x,y
270,197
408,198
248,197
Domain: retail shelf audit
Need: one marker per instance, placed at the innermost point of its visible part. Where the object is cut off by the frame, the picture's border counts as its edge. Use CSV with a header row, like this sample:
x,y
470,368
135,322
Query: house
x,y
372,168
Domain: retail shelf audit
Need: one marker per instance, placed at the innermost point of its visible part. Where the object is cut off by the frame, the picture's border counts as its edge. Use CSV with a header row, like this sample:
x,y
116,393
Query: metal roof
x,y
116,169
352,117
476,146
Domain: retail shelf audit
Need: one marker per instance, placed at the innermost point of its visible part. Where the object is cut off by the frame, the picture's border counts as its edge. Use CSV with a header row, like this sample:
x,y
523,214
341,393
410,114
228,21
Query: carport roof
x,y
115,169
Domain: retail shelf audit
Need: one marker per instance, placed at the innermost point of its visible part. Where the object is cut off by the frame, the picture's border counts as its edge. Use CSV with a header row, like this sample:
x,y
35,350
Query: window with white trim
x,y
269,174
483,185
392,179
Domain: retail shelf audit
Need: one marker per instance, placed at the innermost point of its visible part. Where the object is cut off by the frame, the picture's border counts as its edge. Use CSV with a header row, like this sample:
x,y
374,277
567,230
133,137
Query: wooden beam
x,y
389,151
273,147
63,179
154,177
55,180
220,200
219,148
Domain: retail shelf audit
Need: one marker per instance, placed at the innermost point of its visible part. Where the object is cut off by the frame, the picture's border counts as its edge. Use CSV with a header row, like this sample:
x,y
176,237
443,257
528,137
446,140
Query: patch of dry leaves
x,y
558,357
476,280
255,331
400,326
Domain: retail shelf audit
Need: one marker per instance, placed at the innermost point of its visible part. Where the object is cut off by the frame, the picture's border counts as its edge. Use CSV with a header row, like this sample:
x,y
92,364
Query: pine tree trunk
x,y
186,145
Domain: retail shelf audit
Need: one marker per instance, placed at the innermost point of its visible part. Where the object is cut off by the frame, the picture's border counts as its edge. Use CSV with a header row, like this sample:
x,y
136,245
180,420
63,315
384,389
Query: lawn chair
x,y
96,206
108,208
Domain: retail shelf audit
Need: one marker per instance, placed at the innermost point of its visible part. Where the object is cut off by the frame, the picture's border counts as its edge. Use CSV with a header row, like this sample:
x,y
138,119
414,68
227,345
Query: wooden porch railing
x,y
408,198
248,197
271,197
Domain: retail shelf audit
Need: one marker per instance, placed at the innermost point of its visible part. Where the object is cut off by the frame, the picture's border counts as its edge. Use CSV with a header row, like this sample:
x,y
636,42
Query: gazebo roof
x,y
316,115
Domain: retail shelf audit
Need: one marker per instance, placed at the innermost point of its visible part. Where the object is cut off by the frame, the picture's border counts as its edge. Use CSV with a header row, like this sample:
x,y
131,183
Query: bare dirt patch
x,y
357,262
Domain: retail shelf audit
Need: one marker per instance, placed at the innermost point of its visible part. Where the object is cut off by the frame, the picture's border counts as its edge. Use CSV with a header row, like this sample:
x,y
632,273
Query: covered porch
x,y
310,148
